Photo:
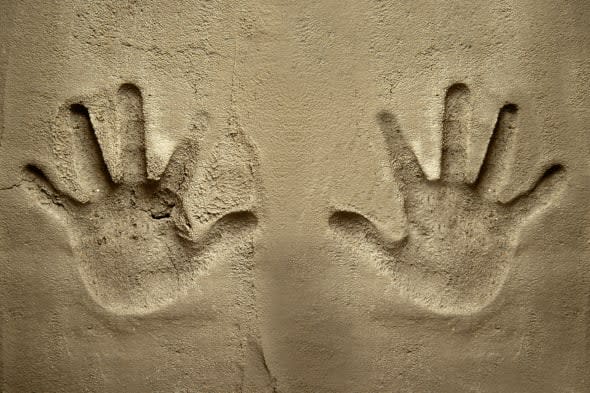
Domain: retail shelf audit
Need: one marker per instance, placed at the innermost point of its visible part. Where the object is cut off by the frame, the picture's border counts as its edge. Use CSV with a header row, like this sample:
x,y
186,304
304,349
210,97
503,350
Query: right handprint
x,y
460,239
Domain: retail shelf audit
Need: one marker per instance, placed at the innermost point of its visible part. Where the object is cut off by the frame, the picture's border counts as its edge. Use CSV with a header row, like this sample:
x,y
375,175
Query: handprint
x,y
459,239
143,243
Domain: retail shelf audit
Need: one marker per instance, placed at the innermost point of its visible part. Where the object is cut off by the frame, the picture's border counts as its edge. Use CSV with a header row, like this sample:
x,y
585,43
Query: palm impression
x,y
460,239
143,243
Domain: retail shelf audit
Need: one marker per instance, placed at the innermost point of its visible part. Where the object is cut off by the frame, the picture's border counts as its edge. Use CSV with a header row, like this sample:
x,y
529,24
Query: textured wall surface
x,y
270,196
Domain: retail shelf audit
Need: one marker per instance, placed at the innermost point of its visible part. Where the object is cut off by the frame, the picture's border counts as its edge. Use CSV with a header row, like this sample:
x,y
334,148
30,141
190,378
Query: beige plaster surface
x,y
272,196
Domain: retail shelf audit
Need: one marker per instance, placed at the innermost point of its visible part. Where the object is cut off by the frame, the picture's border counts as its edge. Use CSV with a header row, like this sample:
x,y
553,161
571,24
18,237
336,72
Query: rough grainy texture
x,y
266,196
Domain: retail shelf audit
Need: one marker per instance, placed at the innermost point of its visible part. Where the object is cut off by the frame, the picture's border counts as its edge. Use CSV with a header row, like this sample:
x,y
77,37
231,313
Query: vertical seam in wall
x,y
4,22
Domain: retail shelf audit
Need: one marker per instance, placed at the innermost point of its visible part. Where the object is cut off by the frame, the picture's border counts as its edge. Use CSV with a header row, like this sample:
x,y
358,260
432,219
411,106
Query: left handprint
x,y
143,243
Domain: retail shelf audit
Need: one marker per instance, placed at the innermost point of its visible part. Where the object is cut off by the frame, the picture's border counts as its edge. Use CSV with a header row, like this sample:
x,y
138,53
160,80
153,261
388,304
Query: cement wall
x,y
267,196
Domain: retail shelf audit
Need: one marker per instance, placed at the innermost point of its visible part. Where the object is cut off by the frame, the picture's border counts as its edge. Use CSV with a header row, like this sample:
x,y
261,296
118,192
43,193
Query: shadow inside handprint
x,y
143,243
459,239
